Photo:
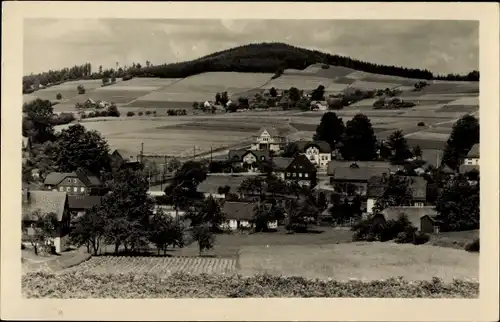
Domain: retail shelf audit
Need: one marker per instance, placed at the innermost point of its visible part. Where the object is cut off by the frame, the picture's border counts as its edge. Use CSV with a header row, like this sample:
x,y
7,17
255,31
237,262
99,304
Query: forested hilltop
x,y
252,58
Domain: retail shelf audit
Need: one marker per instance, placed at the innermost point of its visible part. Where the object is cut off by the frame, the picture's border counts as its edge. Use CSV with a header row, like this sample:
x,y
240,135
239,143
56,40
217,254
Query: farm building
x,y
269,138
123,158
74,183
46,202
240,214
377,185
423,218
353,180
79,204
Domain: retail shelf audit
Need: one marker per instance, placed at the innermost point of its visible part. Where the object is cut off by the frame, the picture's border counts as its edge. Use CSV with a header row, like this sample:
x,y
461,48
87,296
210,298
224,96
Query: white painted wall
x,y
320,160
370,203
471,161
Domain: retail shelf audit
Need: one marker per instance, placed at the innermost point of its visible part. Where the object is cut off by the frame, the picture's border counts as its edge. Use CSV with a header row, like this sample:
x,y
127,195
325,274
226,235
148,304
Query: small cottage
x,y
74,183
269,138
239,215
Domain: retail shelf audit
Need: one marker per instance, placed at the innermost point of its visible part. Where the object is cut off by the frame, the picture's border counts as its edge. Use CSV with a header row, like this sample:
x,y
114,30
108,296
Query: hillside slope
x,y
276,57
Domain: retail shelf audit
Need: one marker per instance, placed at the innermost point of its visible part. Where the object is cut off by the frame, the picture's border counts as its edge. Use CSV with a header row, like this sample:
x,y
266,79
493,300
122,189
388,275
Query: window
x,y
74,180
306,175
69,180
294,174
419,204
75,189
82,189
300,174
68,189
61,188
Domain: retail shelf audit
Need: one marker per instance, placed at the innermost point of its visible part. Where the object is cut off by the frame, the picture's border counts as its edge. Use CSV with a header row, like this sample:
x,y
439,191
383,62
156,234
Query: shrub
x,y
420,238
22,246
154,112
325,66
140,113
130,113
473,246
127,77
59,96
420,124
148,112
80,89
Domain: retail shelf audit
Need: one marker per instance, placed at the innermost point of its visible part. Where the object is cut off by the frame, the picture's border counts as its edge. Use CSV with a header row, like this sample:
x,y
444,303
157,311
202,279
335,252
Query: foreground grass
x,y
180,285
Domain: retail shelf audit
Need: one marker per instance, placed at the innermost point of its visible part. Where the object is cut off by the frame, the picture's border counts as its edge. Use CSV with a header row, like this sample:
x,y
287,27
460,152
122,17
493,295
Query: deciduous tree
x,y
360,142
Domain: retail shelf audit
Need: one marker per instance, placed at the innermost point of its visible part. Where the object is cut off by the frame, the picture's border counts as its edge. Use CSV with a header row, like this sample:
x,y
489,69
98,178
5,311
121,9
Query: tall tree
x,y
360,143
128,210
318,94
294,94
43,226
38,120
164,231
458,204
291,150
77,148
209,213
417,151
397,192
399,147
90,229
464,135
330,129
205,238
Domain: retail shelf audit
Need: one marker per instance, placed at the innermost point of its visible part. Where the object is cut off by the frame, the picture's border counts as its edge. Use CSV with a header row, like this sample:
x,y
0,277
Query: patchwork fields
x,y
438,106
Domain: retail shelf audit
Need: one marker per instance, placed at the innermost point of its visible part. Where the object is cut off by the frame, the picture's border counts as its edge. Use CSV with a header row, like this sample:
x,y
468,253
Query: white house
x,y
319,153
239,215
269,138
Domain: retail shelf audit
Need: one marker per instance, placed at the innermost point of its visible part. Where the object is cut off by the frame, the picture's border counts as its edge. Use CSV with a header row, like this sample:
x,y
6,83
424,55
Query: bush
x,y
127,77
130,113
420,124
420,238
83,284
325,66
80,89
140,113
59,96
473,246
22,246
148,113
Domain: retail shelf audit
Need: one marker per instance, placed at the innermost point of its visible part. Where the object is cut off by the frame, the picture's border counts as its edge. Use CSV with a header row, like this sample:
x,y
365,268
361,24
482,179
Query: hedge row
x,y
180,285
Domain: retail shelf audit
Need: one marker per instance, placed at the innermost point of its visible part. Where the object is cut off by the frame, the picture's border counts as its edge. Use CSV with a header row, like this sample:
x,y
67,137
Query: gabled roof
x,y
323,146
414,214
259,154
281,164
303,163
239,210
474,151
357,174
83,201
362,164
45,202
272,130
127,155
54,178
212,183
236,154
376,187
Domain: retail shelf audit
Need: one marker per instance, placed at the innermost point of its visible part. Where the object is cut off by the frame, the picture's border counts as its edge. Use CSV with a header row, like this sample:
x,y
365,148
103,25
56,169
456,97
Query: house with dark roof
x,y
36,204
79,204
425,219
269,138
378,184
213,184
74,183
248,159
471,161
280,164
353,180
239,215
302,171
121,158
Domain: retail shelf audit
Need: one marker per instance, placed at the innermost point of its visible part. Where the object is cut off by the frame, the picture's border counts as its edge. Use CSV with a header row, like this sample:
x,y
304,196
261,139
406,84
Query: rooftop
x,y
474,151
44,201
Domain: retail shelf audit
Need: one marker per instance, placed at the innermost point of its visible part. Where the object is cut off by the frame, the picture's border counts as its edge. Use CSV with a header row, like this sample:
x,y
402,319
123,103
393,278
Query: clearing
x,y
362,261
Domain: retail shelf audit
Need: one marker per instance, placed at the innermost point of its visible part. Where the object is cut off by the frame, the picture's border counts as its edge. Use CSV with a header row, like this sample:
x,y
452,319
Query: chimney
x,y
26,195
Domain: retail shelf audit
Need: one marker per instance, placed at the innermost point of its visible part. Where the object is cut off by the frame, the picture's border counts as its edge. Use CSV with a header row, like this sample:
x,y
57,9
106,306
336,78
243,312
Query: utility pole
x,y
210,154
142,152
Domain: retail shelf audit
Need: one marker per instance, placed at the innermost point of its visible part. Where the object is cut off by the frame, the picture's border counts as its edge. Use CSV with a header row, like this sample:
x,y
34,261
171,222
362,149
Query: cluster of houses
x,y
69,195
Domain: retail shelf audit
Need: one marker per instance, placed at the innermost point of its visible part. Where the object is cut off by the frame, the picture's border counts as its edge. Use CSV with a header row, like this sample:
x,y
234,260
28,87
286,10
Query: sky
x,y
440,46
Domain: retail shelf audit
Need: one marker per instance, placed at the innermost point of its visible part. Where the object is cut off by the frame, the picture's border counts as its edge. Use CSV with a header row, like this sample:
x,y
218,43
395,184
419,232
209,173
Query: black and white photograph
x,y
230,157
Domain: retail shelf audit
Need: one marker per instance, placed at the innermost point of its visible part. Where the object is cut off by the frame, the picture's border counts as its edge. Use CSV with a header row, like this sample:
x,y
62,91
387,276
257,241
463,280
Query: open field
x,y
162,266
454,239
306,83
362,261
